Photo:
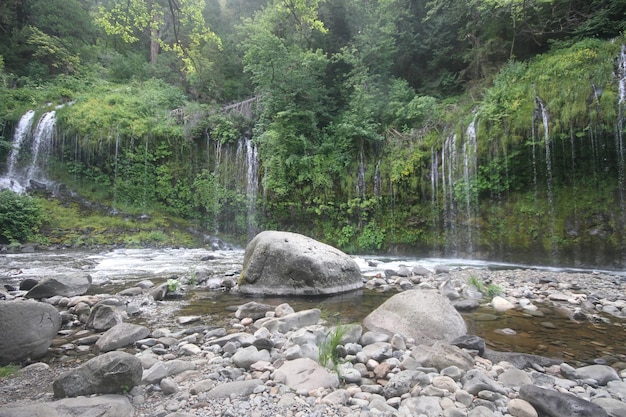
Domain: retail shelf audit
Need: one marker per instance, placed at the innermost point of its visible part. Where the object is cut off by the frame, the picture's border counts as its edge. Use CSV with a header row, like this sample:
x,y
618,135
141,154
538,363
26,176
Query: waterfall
x,y
470,162
252,184
449,161
619,136
21,133
42,143
545,122
360,182
18,177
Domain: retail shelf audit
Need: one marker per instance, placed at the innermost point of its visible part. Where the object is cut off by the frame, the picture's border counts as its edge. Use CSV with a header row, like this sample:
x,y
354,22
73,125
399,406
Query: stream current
x,y
114,270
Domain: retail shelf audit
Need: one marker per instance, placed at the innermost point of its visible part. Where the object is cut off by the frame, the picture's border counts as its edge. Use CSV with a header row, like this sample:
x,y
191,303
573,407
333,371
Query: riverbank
x,y
584,298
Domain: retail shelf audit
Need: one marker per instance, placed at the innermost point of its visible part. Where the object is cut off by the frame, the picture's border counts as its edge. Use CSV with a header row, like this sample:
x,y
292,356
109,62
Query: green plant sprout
x,y
172,285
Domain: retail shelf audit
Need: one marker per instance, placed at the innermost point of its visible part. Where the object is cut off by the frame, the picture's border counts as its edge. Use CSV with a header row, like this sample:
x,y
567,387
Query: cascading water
x,y
42,144
252,185
21,133
545,123
20,176
619,136
470,161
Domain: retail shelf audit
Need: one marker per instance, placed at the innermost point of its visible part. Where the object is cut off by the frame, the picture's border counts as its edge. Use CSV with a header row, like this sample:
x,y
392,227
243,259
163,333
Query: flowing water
x,y
114,270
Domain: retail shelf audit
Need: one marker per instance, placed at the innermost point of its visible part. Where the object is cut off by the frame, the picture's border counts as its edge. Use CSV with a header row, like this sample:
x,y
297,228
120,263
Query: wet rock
x,y
31,326
556,404
67,287
282,263
253,310
424,315
109,373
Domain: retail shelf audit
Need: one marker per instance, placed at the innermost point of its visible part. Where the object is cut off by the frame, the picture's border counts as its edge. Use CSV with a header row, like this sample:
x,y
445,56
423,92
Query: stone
x,y
27,329
520,408
441,355
424,315
66,287
110,373
603,374
514,378
234,389
100,406
284,263
557,404
253,310
305,374
293,321
471,342
475,381
613,407
501,304
481,411
401,383
121,335
104,316
415,406
245,357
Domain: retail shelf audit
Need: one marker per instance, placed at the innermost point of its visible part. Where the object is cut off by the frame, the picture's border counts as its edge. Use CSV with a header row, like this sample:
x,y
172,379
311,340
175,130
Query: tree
x,y
171,25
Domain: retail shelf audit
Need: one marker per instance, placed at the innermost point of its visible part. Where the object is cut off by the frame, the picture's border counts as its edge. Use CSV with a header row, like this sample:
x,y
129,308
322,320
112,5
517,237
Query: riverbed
x,y
553,333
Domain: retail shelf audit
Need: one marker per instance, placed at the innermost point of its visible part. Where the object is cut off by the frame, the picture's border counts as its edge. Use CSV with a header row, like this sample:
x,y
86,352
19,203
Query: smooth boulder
x,y
284,263
110,373
28,328
425,315
65,287
556,404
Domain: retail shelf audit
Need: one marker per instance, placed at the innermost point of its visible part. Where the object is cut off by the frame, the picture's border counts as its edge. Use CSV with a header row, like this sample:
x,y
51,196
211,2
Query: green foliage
x,y
172,285
490,290
328,353
20,217
8,371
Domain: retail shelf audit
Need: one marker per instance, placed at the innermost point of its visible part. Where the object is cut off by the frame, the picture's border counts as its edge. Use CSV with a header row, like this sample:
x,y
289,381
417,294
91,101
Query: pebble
x,y
229,371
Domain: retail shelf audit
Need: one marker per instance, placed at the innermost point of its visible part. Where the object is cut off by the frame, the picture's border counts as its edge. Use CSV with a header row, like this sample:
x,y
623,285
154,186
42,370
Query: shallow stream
x,y
553,335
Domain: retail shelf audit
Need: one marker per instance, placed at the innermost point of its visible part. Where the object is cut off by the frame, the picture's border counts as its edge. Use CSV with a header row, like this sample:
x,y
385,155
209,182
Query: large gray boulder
x,y
110,373
425,315
27,329
283,263
68,286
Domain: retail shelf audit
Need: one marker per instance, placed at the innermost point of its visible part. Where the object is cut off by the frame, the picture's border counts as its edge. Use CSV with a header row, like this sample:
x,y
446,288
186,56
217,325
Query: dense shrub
x,y
20,217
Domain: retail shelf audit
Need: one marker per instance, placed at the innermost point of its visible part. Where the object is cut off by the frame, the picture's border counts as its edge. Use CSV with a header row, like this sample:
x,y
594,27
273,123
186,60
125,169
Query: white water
x,y
18,177
22,132
252,186
42,143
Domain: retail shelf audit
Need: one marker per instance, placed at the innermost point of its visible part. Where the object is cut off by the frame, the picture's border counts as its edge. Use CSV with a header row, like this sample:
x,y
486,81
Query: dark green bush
x,y
20,217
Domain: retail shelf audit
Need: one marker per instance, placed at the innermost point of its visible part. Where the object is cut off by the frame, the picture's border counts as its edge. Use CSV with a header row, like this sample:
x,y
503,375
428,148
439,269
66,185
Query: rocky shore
x,y
265,361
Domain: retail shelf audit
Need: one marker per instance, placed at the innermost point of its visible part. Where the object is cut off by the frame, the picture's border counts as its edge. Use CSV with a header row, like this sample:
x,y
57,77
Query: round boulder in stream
x,y
425,315
284,263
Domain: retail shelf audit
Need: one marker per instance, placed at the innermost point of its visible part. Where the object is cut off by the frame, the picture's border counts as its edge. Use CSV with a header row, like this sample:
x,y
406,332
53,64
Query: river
x,y
113,270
